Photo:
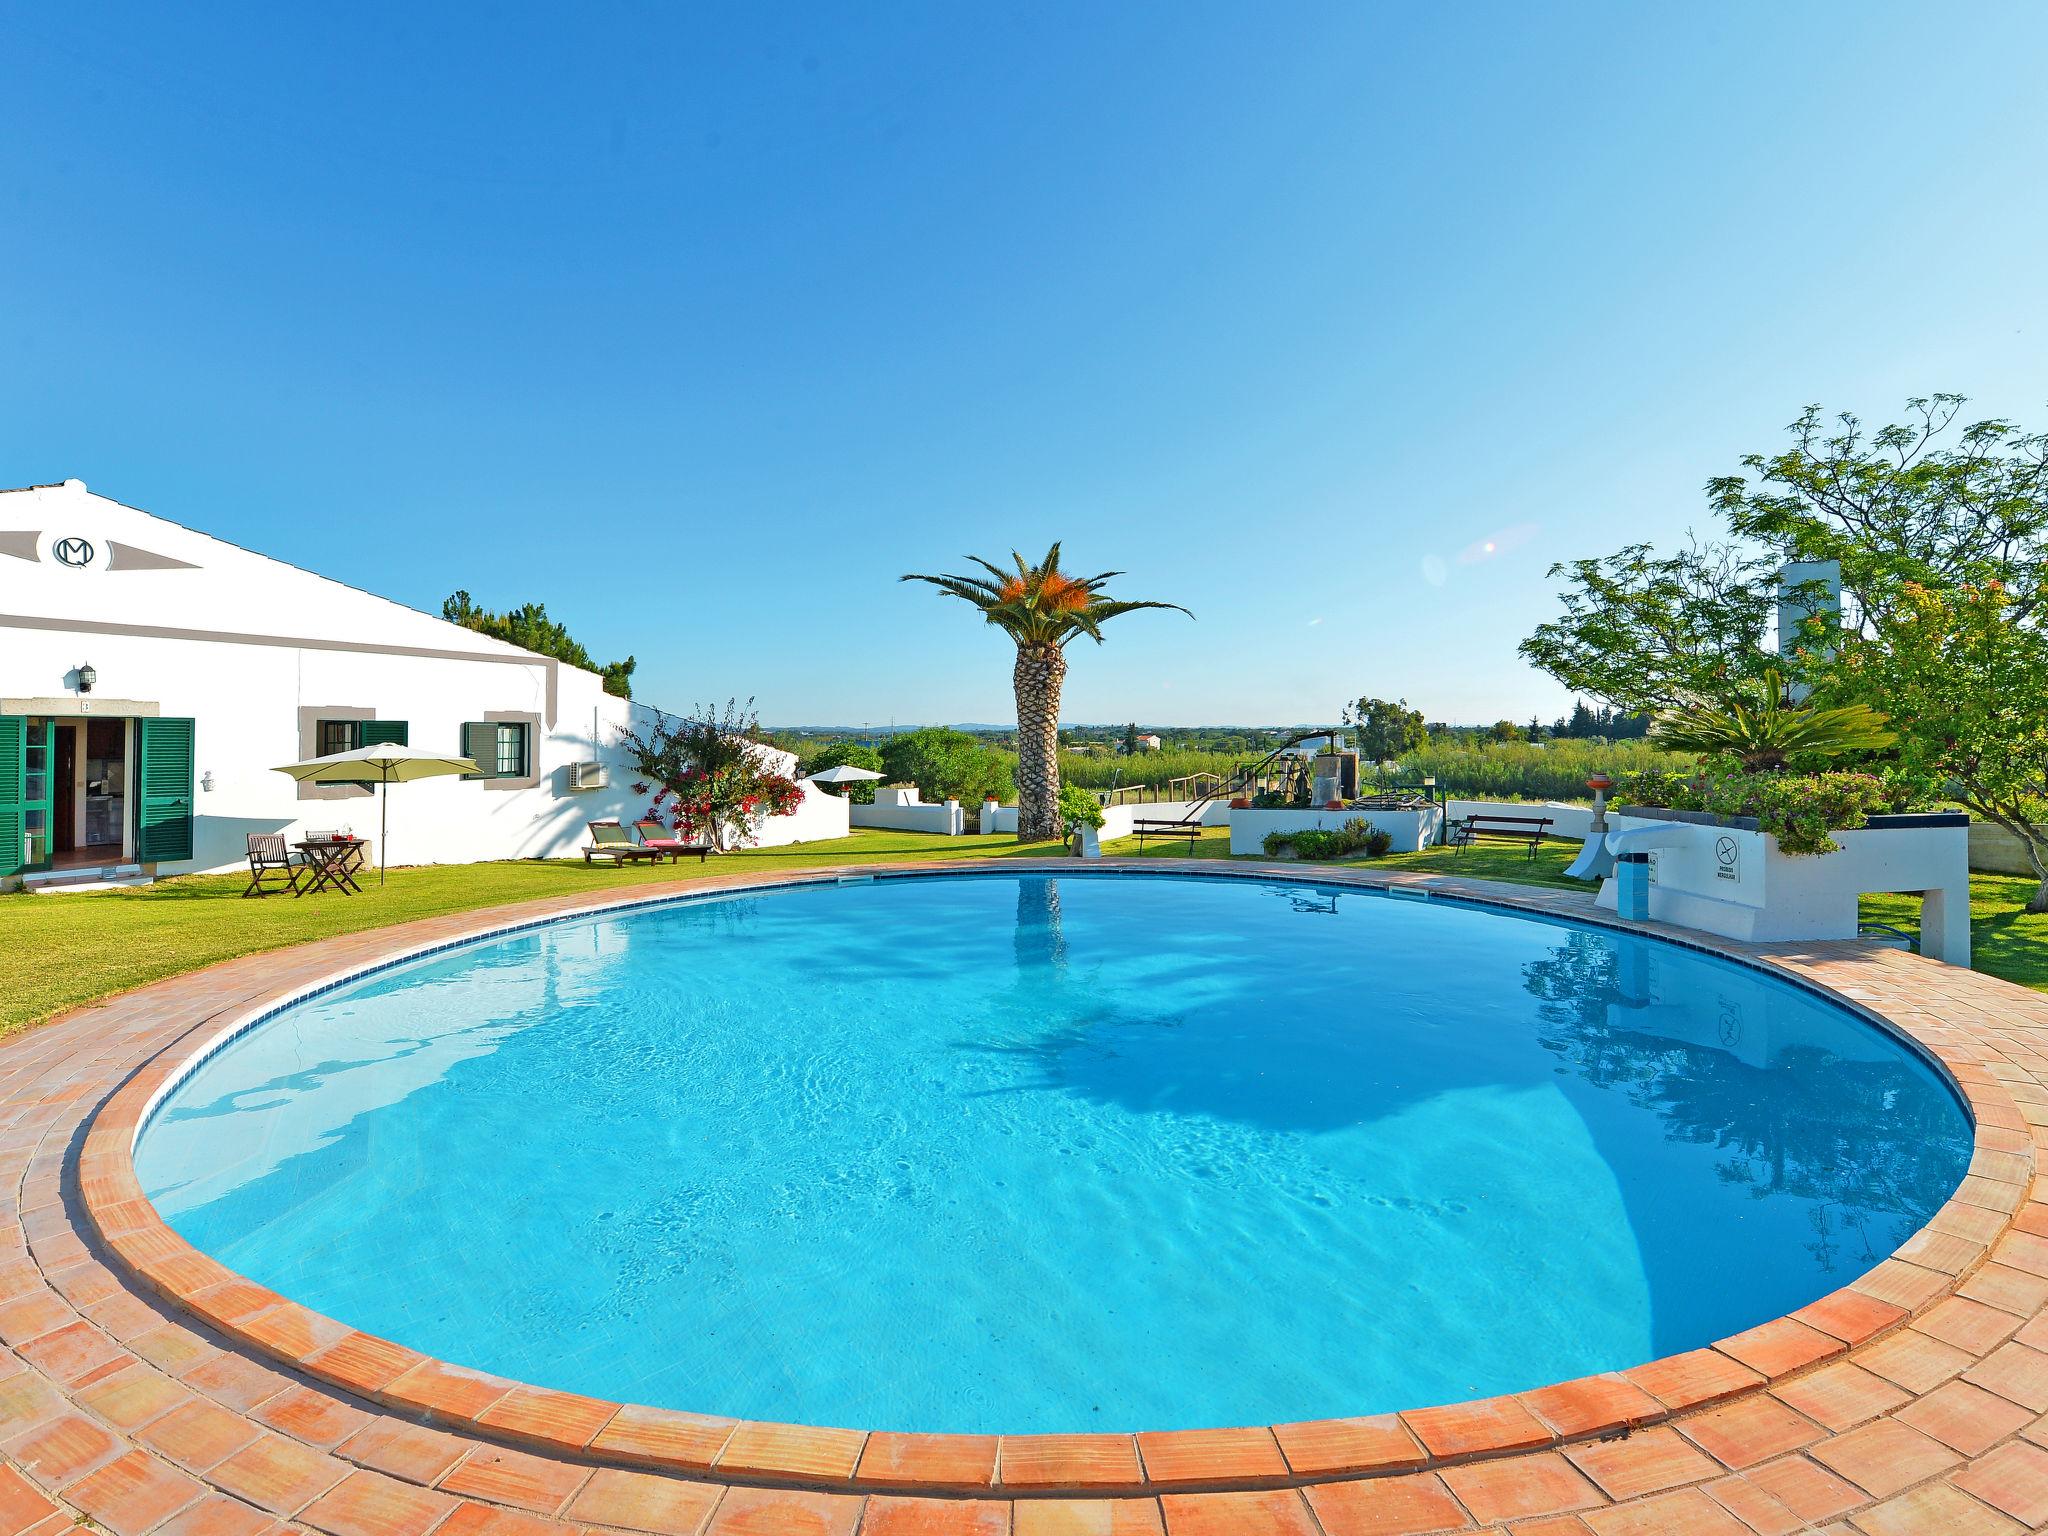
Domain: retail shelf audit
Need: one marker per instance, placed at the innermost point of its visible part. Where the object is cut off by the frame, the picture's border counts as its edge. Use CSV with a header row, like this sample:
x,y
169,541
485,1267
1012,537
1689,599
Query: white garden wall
x,y
1739,884
899,808
1411,831
1569,821
1215,813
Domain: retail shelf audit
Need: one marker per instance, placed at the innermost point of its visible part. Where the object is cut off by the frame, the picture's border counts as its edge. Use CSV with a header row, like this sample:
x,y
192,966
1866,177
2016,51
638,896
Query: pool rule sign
x,y
1727,858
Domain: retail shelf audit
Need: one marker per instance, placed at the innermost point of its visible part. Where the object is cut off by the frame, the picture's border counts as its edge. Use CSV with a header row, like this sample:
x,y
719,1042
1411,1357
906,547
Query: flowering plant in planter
x,y
710,779
1799,809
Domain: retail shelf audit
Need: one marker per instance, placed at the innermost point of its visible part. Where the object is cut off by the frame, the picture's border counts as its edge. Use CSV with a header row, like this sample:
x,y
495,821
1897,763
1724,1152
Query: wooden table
x,y
333,863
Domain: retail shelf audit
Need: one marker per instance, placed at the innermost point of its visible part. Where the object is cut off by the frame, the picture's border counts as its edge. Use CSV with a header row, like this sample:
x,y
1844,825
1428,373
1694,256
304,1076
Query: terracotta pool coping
x,y
1919,1275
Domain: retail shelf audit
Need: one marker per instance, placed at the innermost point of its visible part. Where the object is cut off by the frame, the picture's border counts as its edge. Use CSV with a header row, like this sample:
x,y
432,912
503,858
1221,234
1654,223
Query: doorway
x,y
88,793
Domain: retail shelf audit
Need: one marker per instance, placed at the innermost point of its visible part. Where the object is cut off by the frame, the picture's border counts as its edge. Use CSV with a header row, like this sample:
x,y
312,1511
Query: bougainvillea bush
x,y
707,775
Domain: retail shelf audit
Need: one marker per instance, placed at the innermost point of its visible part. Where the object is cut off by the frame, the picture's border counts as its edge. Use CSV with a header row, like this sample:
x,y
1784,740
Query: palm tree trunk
x,y
1037,677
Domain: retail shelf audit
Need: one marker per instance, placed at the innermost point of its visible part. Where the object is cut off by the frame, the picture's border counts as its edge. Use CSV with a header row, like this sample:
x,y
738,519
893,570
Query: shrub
x,y
847,754
1079,808
946,764
1800,810
1355,836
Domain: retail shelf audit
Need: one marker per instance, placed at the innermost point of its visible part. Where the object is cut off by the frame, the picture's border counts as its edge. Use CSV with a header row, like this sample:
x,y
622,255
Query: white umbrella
x,y
845,773
384,763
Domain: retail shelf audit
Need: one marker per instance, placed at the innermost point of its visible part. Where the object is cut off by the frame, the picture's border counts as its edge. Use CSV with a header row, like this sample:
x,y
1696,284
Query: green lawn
x,y
59,951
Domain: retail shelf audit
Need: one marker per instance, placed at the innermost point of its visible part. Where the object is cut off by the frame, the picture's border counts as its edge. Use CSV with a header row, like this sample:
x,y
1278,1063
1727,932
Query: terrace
x,y
151,1391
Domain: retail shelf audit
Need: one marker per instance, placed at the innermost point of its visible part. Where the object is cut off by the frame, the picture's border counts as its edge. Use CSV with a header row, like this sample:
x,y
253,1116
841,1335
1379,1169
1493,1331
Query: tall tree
x,y
1040,607
1941,531
529,627
1903,504
1387,729
1968,686
1642,632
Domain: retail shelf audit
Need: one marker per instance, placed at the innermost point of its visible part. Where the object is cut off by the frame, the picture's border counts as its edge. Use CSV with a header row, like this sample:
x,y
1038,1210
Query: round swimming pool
x,y
1022,1153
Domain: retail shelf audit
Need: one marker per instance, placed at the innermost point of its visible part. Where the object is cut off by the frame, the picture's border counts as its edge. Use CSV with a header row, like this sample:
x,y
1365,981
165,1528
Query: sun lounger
x,y
654,835
609,840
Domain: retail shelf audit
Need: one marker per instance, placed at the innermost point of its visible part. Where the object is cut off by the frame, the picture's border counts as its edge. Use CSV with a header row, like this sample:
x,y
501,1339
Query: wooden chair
x,y
269,855
611,841
654,835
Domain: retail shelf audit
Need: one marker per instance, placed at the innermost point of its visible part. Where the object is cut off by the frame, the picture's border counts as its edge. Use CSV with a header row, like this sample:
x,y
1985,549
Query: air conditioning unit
x,y
588,776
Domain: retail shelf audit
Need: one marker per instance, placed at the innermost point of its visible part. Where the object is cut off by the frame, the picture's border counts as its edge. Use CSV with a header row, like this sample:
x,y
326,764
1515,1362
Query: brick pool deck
x,y
151,1391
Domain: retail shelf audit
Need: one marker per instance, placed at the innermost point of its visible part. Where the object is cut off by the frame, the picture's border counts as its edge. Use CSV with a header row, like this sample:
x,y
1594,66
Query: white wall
x,y
822,815
1738,884
1572,821
898,808
1216,813
1411,831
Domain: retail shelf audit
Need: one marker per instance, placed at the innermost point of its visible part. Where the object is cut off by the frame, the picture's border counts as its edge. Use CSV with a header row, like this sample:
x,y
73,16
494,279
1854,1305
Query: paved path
x,y
1915,1402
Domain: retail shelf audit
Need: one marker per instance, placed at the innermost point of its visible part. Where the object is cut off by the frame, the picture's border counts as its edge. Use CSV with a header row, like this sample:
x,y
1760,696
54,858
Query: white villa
x,y
152,678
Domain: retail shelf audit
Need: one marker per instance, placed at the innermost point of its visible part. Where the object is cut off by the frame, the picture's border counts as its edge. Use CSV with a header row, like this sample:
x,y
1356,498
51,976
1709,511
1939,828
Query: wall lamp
x,y
86,677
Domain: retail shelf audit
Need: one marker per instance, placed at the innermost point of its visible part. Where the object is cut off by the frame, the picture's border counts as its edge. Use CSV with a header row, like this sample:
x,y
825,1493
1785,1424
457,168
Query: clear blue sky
x,y
1280,308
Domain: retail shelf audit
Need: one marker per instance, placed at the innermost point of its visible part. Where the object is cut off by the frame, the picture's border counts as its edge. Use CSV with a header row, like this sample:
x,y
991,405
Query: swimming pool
x,y
1013,1152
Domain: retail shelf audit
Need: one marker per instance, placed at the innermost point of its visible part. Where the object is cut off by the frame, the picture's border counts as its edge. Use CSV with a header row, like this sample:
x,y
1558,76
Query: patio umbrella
x,y
845,773
382,763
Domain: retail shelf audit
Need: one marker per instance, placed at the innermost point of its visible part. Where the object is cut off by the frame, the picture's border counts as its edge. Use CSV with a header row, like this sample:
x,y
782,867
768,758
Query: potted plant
x,y
1081,816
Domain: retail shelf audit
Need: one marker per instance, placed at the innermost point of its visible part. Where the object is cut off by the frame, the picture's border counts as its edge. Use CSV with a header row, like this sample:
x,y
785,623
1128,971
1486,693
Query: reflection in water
x,y
1038,940
1868,1147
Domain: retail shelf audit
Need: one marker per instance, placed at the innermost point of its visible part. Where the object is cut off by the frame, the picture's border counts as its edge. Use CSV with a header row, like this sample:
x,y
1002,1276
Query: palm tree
x,y
1761,727
1040,607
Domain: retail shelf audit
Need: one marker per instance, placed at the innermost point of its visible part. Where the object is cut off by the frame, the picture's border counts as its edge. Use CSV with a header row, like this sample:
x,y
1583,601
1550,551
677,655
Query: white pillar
x,y
1945,924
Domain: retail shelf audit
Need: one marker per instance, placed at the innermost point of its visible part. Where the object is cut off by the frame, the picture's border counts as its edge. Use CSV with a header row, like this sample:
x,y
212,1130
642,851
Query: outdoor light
x,y
86,677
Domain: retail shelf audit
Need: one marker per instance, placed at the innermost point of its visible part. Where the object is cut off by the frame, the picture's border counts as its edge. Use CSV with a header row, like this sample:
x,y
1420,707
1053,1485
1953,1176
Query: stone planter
x,y
1411,831
1723,875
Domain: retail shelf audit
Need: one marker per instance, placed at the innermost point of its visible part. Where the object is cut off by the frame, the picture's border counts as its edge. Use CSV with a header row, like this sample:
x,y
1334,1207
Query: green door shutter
x,y
380,733
163,813
13,743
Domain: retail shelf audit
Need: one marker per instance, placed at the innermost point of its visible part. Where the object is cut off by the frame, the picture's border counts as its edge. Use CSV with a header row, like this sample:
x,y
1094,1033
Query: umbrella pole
x,y
383,825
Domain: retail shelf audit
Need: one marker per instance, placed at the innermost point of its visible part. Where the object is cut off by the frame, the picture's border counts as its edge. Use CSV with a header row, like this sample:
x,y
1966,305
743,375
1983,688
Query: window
x,y
511,751
503,749
332,736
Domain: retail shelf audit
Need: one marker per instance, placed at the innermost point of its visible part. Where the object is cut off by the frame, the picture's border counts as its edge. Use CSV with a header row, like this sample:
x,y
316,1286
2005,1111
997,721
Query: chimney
x,y
1807,589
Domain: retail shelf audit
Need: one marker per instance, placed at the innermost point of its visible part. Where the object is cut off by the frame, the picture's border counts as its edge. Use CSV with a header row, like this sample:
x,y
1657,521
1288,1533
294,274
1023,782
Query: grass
x,y
62,951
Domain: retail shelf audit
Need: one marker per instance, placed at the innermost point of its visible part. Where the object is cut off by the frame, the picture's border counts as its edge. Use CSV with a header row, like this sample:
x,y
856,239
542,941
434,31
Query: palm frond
x,y
1759,725
1041,604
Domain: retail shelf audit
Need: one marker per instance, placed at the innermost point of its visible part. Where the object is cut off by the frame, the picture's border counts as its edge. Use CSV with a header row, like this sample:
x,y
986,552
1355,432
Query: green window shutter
x,y
163,812
13,746
476,736
379,733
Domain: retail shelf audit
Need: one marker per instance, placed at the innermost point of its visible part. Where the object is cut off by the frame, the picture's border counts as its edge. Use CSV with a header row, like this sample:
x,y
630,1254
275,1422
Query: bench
x,y
1189,827
1530,830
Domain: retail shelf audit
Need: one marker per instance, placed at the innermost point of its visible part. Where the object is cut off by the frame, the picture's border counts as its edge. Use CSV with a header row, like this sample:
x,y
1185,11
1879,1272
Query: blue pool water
x,y
1014,1153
